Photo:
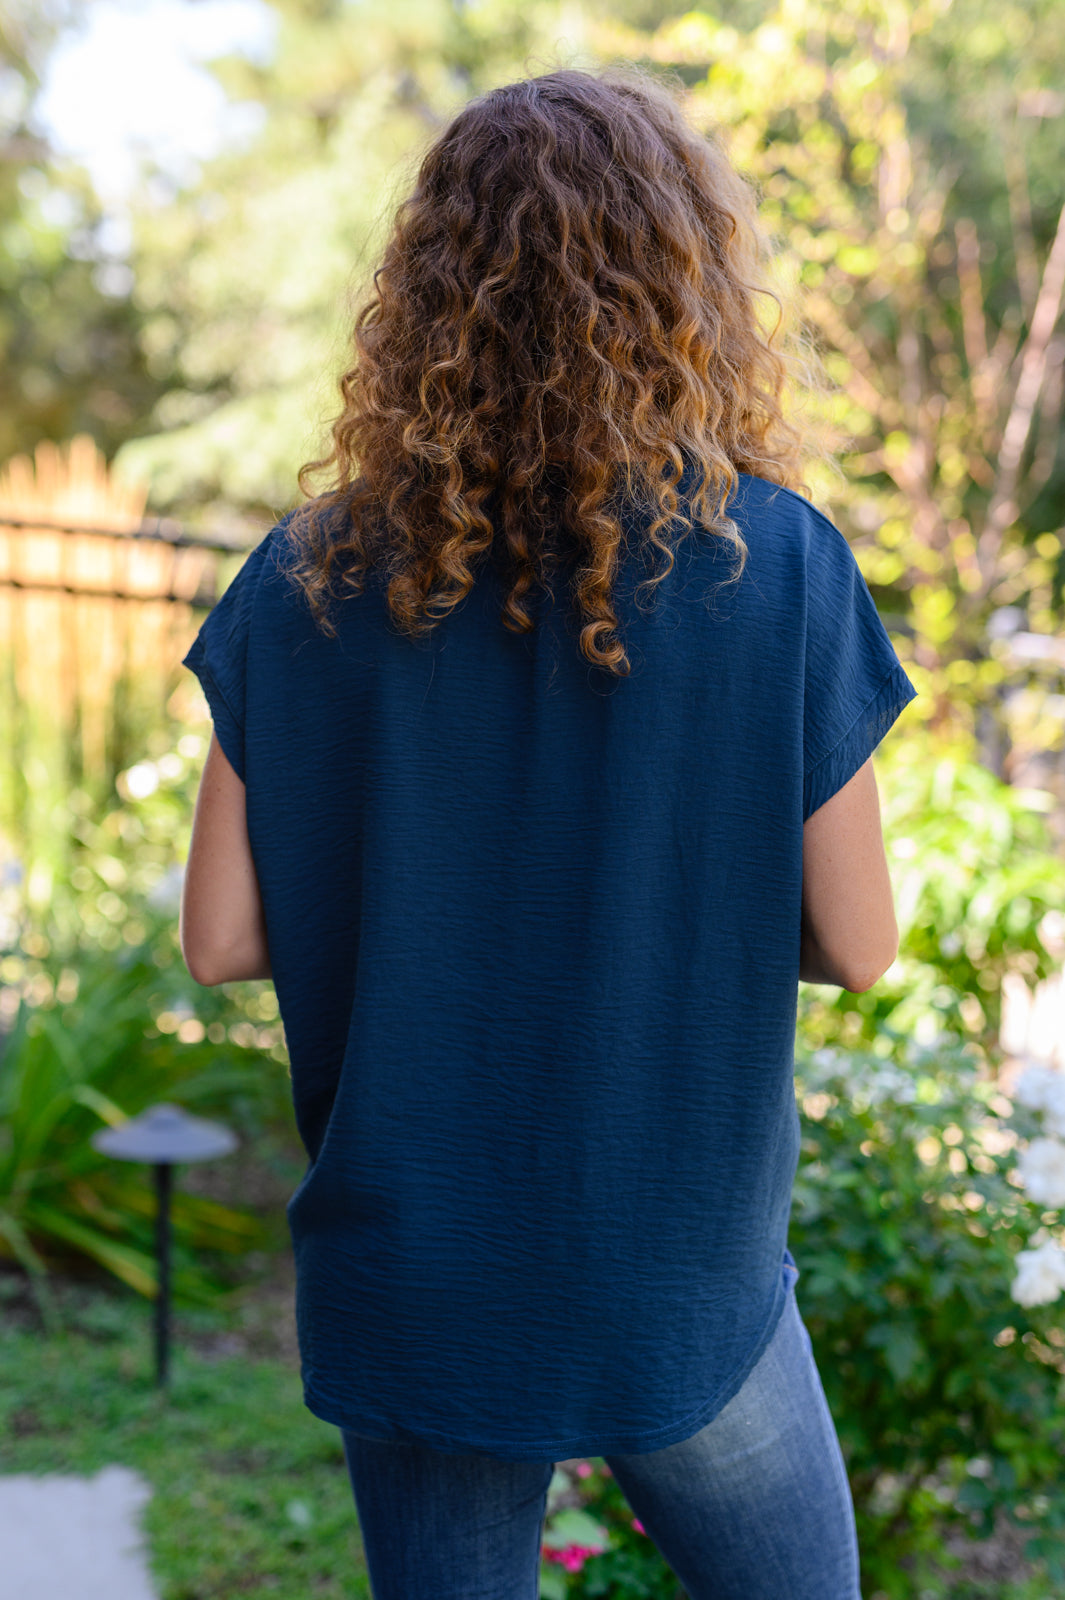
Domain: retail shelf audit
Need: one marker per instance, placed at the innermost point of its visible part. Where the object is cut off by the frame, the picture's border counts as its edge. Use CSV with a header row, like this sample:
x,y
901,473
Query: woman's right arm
x,y
848,933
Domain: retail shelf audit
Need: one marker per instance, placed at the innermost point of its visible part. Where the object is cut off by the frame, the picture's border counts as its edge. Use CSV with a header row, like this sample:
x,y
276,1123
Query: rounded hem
x,y
565,1449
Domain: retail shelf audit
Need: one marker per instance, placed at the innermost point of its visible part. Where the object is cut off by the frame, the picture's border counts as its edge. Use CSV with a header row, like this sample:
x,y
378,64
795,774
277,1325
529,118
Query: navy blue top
x,y
535,936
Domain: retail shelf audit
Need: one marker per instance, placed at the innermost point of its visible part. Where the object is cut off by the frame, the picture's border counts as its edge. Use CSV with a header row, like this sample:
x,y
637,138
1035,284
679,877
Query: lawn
x,y
251,1496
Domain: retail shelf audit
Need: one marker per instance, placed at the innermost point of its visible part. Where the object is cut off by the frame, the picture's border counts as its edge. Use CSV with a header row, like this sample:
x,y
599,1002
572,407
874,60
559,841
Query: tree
x,y
244,281
908,159
931,282
70,358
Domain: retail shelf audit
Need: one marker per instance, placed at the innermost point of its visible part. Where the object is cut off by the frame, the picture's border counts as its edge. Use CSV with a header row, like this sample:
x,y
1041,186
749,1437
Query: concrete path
x,y
64,1538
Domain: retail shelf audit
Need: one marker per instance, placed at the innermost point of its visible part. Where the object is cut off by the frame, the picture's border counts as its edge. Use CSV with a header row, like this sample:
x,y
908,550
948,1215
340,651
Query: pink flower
x,y
638,1525
584,1470
571,1556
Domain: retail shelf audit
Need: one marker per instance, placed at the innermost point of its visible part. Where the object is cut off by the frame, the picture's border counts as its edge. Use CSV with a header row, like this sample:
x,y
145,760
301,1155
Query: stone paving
x,y
67,1538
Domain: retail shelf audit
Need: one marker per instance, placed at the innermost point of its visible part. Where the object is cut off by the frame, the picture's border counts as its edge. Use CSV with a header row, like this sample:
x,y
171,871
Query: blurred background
x,y
193,196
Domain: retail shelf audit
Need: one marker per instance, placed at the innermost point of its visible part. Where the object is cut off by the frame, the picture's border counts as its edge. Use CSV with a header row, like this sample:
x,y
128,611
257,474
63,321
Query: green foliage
x,y
908,162
606,1553
975,873
88,1051
948,1397
103,876
250,1492
105,1020
84,841
71,844
69,833
244,280
70,356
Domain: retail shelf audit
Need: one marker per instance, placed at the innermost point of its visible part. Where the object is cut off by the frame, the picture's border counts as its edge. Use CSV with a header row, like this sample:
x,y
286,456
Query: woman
x,y
536,878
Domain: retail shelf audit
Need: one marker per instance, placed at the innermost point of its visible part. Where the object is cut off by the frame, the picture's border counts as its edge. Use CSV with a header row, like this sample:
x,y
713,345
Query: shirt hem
x,y
640,1443
850,752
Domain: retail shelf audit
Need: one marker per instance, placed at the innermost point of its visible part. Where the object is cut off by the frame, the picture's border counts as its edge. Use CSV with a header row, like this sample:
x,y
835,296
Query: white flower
x,y
1035,1083
1040,1275
1042,1170
1054,1105
890,1082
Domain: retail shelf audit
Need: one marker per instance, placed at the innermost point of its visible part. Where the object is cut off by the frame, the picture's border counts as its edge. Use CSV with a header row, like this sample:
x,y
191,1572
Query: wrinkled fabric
x,y
534,932
755,1506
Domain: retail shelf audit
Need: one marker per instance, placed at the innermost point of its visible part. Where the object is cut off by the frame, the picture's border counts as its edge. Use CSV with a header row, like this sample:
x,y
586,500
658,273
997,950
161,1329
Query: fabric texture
x,y
755,1506
534,932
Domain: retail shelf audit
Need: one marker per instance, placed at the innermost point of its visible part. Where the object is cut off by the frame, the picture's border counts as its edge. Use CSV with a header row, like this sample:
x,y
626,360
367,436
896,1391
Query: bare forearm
x,y
218,949
233,963
814,966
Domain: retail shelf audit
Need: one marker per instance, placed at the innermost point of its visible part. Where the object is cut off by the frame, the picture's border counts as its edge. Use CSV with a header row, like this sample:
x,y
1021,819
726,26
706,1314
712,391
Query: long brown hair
x,y
571,288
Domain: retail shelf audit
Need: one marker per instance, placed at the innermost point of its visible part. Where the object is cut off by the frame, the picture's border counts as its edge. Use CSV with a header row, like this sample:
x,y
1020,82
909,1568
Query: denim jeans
x,y
755,1506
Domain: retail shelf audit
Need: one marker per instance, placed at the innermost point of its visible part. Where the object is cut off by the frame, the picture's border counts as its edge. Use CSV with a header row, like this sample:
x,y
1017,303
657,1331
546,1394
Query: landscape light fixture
x,y
164,1135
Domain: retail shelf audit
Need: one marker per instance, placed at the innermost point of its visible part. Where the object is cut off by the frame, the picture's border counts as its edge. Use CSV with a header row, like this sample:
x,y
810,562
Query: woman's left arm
x,y
222,928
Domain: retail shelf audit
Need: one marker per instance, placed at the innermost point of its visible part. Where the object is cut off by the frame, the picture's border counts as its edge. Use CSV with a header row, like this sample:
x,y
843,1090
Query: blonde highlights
x,y
569,297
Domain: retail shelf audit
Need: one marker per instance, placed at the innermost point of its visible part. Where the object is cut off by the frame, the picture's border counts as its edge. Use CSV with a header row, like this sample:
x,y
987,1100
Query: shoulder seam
x,y
807,505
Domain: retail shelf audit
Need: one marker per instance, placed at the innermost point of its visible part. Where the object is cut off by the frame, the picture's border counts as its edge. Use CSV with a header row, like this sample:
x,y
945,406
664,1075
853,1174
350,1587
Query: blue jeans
x,y
755,1506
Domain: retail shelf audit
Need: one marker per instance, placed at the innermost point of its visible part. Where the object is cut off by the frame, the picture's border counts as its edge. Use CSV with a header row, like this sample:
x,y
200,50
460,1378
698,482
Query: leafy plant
x,y
603,1554
906,1225
979,891
85,1051
119,891
948,1396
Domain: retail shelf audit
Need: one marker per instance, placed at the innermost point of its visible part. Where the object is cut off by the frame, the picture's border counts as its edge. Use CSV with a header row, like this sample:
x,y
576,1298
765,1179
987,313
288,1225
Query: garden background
x,y
167,362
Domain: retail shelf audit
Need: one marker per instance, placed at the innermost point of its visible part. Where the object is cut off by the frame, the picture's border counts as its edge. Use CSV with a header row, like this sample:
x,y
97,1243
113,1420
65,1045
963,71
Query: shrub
x,y
948,1397
979,891
96,1037
907,1221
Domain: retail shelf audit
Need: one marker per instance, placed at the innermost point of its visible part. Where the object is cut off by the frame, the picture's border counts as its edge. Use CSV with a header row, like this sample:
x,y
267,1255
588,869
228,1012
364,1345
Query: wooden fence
x,y
97,604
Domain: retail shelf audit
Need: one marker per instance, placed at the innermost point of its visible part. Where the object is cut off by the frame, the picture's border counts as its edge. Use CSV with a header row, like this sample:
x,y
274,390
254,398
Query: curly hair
x,y
571,289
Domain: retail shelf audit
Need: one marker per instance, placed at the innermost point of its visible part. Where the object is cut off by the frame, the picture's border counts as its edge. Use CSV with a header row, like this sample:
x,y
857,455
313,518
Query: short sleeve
x,y
855,686
219,653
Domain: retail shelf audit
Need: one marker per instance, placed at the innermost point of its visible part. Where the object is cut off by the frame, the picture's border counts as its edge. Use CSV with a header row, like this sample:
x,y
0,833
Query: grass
x,y
251,1496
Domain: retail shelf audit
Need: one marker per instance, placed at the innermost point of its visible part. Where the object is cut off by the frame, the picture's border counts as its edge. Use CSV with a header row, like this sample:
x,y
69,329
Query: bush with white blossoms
x,y
1042,1171
911,1229
1042,1088
1041,1167
1040,1274
870,1082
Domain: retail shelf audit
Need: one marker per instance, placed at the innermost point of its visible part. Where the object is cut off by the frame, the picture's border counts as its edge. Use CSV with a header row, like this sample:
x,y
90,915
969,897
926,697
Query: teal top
x,y
535,936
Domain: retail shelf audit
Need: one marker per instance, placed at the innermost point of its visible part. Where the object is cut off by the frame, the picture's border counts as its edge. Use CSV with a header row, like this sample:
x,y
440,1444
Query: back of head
x,y
567,308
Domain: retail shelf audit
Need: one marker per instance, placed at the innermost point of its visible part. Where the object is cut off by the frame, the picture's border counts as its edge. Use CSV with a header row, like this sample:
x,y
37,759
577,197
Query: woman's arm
x,y
221,927
848,934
